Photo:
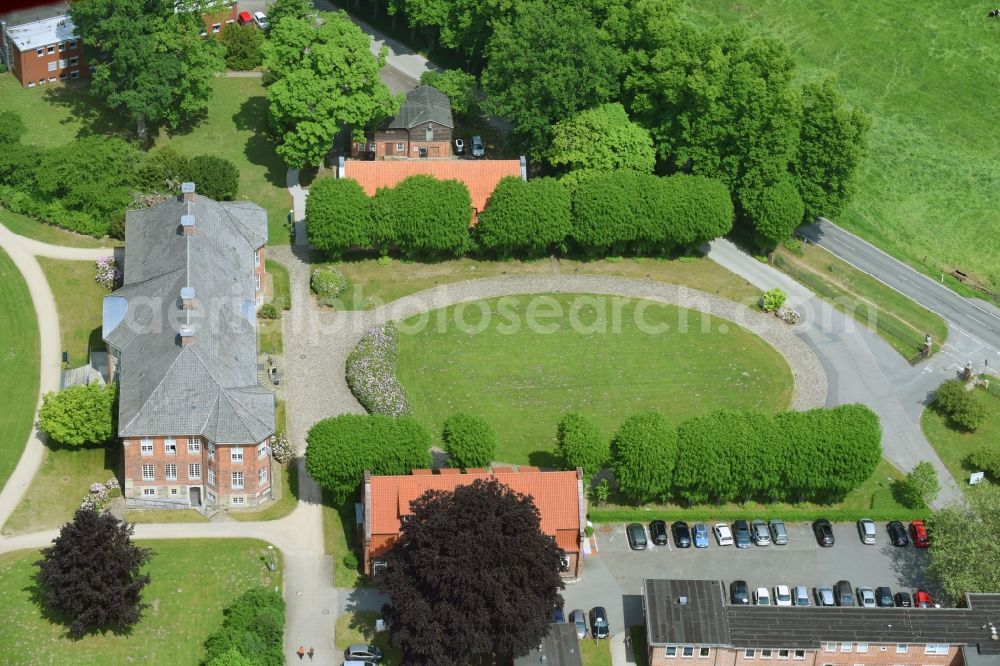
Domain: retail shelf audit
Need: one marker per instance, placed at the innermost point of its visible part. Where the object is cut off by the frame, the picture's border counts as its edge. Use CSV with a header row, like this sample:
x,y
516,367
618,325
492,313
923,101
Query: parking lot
x,y
613,578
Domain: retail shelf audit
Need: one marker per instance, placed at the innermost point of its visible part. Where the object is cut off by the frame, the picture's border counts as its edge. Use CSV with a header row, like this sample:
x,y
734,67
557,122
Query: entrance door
x,y
195,496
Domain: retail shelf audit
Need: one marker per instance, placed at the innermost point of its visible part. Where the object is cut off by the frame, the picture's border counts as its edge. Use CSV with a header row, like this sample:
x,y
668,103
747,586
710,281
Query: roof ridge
x,y
241,228
239,407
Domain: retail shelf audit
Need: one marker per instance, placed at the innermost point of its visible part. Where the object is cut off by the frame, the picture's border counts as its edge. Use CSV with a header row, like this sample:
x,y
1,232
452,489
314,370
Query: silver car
x,y
761,536
866,597
779,535
866,530
800,596
824,596
478,147
579,620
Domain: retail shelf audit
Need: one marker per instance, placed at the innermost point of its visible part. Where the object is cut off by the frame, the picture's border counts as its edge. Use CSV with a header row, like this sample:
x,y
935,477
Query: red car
x,y
244,18
919,533
922,599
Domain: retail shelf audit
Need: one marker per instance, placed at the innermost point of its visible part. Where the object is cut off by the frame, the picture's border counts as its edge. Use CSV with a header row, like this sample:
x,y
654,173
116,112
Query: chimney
x,y
187,298
187,191
186,335
187,224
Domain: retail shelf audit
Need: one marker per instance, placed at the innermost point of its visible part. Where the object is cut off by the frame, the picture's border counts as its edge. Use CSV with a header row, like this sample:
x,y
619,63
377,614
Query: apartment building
x,y
39,46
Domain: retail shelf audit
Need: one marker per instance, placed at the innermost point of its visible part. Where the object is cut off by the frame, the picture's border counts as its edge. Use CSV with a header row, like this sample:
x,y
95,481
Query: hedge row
x,y
253,631
787,513
608,213
371,372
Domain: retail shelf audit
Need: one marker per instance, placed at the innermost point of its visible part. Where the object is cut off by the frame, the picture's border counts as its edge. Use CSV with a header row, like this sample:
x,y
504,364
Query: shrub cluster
x,y
423,217
469,441
371,372
242,44
772,300
987,459
954,401
268,311
340,449
164,169
106,272
579,444
338,216
525,218
252,632
328,284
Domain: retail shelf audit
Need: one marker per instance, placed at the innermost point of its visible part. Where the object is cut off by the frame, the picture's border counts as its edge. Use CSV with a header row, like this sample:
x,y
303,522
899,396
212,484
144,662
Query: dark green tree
x,y
471,576
81,415
12,128
579,443
90,573
526,219
469,441
460,87
775,212
163,170
424,217
242,43
643,455
338,216
93,174
215,177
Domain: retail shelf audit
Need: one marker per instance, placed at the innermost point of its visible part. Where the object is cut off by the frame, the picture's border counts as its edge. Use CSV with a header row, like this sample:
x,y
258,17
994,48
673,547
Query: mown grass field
x,y
79,300
191,581
927,73
19,349
953,445
523,378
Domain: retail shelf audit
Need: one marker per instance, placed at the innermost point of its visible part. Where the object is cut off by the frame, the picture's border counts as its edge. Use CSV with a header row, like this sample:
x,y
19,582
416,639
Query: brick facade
x,y
216,21
831,654
260,275
51,63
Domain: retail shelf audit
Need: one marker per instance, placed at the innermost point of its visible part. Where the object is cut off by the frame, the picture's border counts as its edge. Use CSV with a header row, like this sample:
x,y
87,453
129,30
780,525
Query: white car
x,y
761,597
723,534
782,595
866,596
260,18
866,530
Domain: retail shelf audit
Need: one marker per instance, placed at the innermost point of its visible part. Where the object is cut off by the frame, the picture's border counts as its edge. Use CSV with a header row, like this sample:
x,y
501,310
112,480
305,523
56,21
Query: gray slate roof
x,y
423,104
210,387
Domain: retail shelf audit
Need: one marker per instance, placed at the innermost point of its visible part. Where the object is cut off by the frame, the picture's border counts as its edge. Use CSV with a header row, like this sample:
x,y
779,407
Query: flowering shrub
x,y
327,284
371,372
281,448
100,494
107,274
788,315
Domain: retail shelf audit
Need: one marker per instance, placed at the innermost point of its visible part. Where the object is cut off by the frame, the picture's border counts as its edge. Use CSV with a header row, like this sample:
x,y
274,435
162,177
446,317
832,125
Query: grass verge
x,y
79,300
953,445
20,349
280,284
269,336
595,653
340,538
359,627
191,581
165,516
288,478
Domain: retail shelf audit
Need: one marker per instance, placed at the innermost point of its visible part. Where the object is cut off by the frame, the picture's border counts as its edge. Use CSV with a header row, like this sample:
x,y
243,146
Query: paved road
x,y
963,314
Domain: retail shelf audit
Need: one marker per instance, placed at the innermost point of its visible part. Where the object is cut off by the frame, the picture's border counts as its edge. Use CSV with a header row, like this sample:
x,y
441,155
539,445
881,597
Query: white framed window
x,y
40,52
211,476
194,445
230,21
800,654
749,653
261,450
256,257
62,63
211,451
211,497
238,501
703,653
765,654
687,651
72,43
170,446
146,447
782,654
938,649
149,492
216,27
846,647
262,475
901,648
236,454
50,49
74,75
194,471
862,647
41,82
148,472
170,472
256,281
237,480
31,84
671,652
400,147
174,492
73,61
53,66
62,46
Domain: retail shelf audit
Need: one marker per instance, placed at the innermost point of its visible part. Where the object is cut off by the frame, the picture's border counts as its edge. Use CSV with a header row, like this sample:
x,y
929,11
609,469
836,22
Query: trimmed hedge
x,y
371,372
643,455
469,441
526,219
338,216
424,218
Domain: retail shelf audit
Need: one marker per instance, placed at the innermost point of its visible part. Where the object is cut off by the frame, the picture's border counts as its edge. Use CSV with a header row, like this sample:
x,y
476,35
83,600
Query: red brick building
x,y
215,21
195,423
557,495
39,46
422,128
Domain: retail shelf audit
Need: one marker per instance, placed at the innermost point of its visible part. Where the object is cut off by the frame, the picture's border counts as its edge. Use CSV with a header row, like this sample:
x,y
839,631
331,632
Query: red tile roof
x,y
554,493
480,176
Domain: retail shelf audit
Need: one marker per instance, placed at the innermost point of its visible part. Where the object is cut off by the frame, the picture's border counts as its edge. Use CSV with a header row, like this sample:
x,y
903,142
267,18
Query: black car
x,y
682,534
741,534
897,534
599,627
843,593
883,597
658,532
558,615
824,532
636,536
739,592
903,600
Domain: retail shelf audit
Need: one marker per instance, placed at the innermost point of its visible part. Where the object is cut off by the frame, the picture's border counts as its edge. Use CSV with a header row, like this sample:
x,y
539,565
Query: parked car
x,y
579,621
478,147
260,18
700,534
636,536
723,535
658,532
883,597
779,535
866,597
843,593
922,599
459,145
897,534
682,534
903,600
739,592
824,596
801,596
824,532
558,615
866,530
599,627
741,534
361,652
782,595
761,535
244,17
761,597
919,533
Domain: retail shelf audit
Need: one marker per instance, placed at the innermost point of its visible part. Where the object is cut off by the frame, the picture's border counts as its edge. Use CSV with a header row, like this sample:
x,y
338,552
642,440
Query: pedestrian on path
x,y
311,653
301,651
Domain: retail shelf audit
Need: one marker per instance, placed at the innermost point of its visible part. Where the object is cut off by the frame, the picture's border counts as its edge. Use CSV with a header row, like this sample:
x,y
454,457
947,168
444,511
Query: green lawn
x,y
269,337
19,348
191,581
923,72
953,445
79,299
595,653
359,627
372,284
898,320
54,115
165,516
340,538
47,233
523,381
59,487
279,290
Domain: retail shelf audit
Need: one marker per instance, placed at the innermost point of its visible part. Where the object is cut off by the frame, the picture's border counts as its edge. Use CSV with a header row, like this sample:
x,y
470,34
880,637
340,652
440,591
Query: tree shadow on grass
x,y
88,109
55,616
260,147
543,459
